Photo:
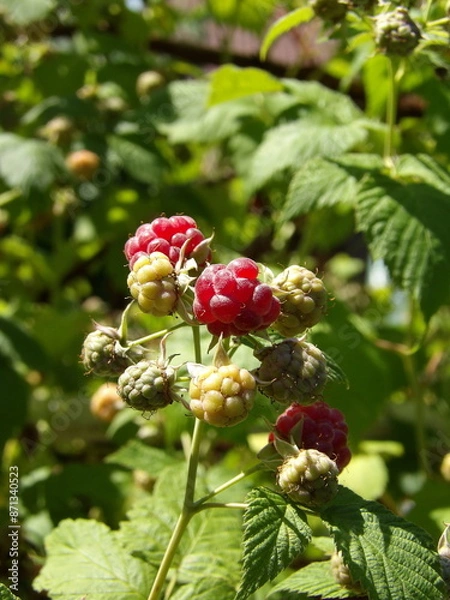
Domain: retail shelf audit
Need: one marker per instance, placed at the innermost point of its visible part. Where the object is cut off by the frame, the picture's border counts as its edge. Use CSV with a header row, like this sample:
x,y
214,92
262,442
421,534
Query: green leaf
x,y
6,594
212,545
28,164
230,82
18,345
283,25
290,145
216,123
407,226
209,588
392,558
275,532
84,558
354,476
423,168
140,163
24,12
316,579
321,183
137,455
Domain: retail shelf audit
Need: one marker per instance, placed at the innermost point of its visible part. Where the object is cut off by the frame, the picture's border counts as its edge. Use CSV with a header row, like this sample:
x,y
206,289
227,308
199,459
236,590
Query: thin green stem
x,y
236,505
411,371
229,484
391,112
438,22
188,510
123,327
154,336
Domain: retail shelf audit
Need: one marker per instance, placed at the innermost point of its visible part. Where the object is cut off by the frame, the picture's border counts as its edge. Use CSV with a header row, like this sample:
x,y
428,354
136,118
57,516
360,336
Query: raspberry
x,y
101,355
291,371
303,300
329,10
222,396
445,467
148,385
168,235
315,426
309,478
396,32
230,300
147,82
341,573
83,163
152,283
106,403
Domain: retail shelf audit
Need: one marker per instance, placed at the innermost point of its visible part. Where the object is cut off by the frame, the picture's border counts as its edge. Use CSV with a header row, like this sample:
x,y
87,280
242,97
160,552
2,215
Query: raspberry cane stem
x,y
188,510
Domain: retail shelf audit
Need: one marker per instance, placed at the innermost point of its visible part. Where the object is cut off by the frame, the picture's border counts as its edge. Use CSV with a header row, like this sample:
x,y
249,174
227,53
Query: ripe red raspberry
x,y
230,300
315,426
168,235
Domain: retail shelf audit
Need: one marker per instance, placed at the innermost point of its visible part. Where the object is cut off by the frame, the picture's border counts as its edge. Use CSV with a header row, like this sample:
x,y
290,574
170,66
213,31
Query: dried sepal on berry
x,y
309,478
291,371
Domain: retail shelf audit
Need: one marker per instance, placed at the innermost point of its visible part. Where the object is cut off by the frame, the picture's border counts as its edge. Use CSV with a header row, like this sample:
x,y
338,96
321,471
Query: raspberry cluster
x,y
168,235
315,426
222,396
230,300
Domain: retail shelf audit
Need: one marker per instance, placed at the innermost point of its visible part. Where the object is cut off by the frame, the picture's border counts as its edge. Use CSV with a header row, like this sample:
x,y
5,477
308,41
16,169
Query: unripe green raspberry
x,y
222,396
148,385
396,32
303,300
329,10
291,371
341,573
309,478
100,353
152,283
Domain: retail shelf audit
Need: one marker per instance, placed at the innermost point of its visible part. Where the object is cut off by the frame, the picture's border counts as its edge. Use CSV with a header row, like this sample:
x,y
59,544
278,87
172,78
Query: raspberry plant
x,y
336,163
300,465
